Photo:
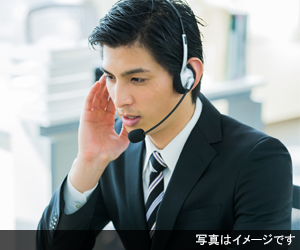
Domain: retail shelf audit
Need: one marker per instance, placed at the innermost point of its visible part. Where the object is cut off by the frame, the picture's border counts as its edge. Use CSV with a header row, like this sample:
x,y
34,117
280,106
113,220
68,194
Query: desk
x,y
237,93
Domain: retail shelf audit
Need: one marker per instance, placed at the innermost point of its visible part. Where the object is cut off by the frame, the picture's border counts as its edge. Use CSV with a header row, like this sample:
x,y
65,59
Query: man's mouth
x,y
130,121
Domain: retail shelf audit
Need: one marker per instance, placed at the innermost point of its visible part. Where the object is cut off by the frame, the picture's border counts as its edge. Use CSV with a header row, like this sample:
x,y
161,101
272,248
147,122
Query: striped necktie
x,y
155,190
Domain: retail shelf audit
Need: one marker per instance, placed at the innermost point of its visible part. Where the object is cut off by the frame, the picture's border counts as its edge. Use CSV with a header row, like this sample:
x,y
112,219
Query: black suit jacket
x,y
229,176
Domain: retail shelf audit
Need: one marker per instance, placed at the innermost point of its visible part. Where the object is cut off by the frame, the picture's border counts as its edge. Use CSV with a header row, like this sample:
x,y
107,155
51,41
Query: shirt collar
x,y
172,151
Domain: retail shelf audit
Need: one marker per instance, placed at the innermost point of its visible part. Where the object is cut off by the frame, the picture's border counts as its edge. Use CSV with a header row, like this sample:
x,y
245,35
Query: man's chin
x,y
129,129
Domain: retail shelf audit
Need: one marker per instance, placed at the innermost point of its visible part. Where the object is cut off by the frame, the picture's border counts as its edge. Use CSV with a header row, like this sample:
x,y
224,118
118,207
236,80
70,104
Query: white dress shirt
x,y
74,199
171,152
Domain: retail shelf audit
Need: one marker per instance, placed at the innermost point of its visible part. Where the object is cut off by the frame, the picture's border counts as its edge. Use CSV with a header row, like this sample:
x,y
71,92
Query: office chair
x,y
66,22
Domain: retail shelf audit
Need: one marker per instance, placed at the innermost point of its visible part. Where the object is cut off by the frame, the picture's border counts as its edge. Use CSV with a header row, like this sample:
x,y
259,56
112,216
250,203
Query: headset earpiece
x,y
185,80
188,77
191,75
178,85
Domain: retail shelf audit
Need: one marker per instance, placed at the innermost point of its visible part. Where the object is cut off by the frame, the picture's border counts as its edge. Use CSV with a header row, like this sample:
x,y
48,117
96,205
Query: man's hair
x,y
154,25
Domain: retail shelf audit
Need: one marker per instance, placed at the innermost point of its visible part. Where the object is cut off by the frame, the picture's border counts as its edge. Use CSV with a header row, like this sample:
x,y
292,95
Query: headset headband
x,y
187,79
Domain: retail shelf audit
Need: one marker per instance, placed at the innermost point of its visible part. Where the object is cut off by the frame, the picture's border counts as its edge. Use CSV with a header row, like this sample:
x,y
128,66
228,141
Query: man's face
x,y
141,89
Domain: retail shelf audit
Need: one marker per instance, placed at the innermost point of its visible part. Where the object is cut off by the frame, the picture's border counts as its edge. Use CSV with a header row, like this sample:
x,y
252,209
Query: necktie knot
x,y
157,162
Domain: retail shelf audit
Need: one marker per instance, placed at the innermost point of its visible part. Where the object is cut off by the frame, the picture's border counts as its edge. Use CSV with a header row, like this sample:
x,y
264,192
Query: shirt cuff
x,y
74,199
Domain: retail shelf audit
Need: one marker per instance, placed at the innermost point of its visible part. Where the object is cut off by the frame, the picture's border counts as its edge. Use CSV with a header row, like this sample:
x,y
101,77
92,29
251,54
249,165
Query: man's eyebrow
x,y
134,71
129,72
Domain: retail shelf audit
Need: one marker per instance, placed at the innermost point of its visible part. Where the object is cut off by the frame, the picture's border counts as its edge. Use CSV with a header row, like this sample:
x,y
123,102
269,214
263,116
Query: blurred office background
x,y
252,72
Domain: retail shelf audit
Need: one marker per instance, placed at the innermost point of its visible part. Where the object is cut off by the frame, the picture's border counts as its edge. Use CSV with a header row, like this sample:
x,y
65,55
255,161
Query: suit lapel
x,y
189,168
194,159
134,190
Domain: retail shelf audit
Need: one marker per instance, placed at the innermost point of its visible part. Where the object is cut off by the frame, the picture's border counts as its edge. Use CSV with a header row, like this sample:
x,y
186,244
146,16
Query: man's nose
x,y
122,95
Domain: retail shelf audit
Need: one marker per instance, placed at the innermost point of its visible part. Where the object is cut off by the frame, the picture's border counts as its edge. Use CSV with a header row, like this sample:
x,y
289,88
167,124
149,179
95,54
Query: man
x,y
216,173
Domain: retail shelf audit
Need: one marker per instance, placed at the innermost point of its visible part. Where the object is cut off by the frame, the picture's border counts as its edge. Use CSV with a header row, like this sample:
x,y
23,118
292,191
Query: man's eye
x,y
109,78
137,80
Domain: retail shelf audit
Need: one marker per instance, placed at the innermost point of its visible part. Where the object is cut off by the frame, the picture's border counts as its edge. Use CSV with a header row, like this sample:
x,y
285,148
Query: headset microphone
x,y
182,84
136,135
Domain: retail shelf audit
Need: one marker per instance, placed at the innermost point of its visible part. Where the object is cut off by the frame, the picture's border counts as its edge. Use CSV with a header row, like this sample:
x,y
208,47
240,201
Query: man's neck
x,y
162,138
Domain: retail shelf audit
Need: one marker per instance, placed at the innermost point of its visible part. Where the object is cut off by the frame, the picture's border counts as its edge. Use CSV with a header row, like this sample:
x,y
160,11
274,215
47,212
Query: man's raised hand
x,y
98,143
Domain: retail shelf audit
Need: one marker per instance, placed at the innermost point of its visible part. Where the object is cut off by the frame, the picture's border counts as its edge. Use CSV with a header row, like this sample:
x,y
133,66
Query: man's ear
x,y
197,66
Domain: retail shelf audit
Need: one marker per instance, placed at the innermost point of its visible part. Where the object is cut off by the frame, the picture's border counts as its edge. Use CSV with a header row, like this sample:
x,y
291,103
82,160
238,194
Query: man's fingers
x,y
90,97
110,106
98,96
99,93
103,99
124,134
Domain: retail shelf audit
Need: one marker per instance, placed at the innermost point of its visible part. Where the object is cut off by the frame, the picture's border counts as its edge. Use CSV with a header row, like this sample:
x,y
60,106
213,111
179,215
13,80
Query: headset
x,y
183,83
186,79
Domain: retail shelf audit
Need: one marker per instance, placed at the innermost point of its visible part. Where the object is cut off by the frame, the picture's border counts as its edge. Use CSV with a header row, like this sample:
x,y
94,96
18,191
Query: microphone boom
x,y
138,135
